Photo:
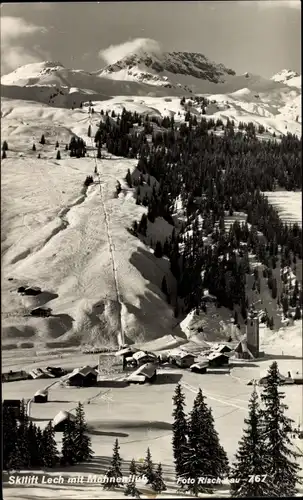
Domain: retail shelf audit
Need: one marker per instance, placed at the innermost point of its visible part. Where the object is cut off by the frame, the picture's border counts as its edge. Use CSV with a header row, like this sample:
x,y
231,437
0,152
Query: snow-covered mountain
x,y
288,77
142,73
165,68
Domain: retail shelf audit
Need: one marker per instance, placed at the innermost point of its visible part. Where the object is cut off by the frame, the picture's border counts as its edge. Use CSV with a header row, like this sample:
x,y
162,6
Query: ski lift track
x,y
110,242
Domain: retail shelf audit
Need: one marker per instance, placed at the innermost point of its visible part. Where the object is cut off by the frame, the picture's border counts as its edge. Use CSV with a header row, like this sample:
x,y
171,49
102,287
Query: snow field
x,y
141,425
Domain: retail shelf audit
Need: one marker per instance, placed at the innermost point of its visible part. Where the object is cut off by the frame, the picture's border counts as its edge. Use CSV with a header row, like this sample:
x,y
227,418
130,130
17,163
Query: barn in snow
x,y
143,357
60,420
145,373
199,367
40,397
182,359
216,359
222,348
83,377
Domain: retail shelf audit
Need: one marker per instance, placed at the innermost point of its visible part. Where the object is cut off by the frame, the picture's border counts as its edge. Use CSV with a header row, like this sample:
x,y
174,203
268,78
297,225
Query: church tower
x,y
252,332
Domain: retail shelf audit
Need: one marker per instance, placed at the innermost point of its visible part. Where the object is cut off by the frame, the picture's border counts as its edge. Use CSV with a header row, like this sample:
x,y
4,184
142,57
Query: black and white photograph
x,y
151,250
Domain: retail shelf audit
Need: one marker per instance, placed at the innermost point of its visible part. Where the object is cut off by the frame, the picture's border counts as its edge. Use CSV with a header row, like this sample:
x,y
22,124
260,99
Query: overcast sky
x,y
261,37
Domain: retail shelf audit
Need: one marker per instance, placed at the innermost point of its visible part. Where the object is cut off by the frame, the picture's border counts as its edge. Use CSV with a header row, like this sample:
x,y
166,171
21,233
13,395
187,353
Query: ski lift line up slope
x,y
110,242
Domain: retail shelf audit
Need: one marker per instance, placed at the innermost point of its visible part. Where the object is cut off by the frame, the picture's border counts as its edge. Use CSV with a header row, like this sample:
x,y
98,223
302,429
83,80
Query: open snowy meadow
x,y
141,416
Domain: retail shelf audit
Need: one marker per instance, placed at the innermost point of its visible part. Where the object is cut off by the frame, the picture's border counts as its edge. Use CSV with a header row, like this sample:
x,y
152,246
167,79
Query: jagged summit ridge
x,y
169,63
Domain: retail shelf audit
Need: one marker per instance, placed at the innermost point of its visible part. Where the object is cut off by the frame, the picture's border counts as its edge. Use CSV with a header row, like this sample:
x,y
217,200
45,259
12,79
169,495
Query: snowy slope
x,y
45,207
54,237
288,77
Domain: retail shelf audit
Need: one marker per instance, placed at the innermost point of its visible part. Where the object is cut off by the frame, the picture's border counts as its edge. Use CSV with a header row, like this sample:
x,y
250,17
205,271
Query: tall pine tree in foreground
x,y
195,464
281,466
179,429
250,457
114,474
35,457
49,445
205,457
9,426
82,440
218,461
131,489
23,444
68,444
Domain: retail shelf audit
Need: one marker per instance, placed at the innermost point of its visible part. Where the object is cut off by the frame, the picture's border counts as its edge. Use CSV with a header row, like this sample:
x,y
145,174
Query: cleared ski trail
x,y
120,335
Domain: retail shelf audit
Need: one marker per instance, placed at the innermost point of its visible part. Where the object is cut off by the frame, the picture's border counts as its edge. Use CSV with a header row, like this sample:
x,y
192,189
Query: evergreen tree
x,y
250,457
274,290
39,156
128,179
81,440
280,459
158,484
114,474
42,140
118,187
205,456
57,144
135,227
179,429
147,468
164,286
17,459
89,131
218,462
9,426
50,451
35,458
58,155
131,489
4,146
68,444
142,228
158,250
34,147
195,464
297,313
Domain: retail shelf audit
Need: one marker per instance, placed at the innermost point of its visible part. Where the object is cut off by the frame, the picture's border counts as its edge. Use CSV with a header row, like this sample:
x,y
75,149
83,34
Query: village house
x,y
216,359
142,357
126,353
14,376
56,371
38,373
182,359
145,373
60,420
200,367
83,377
40,397
222,348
